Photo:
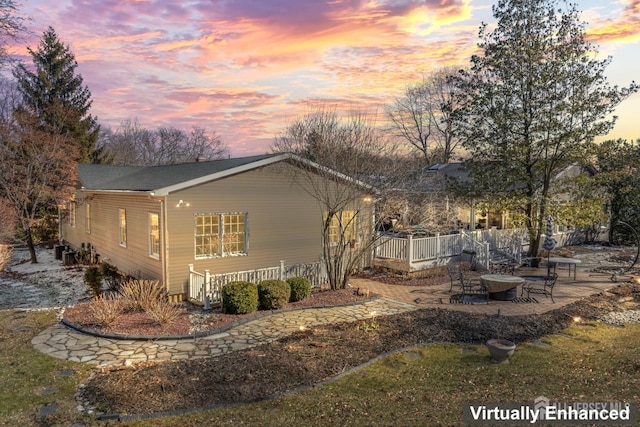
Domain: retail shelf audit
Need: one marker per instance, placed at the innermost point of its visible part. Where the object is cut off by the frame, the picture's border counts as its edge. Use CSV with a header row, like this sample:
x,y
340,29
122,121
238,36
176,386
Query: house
x,y
429,203
223,216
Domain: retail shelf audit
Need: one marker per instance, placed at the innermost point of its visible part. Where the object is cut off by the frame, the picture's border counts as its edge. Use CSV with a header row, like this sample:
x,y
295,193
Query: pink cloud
x,y
246,68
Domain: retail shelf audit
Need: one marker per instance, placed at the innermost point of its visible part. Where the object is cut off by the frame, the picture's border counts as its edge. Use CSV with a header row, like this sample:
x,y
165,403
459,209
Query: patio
x,y
566,291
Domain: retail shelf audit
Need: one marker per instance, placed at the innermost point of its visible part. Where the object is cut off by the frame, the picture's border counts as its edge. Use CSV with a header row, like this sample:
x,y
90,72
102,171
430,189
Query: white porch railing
x,y
203,285
416,250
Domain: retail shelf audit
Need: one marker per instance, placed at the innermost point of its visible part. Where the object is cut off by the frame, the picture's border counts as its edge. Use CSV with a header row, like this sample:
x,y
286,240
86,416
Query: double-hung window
x,y
342,227
220,234
154,235
122,227
87,218
72,214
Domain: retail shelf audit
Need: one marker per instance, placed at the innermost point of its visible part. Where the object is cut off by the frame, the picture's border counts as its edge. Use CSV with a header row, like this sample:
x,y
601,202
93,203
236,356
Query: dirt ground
x,y
315,355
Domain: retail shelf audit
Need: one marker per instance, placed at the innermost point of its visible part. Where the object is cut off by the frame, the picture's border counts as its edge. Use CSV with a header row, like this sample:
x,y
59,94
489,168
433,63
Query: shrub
x,y
239,297
300,288
111,275
93,279
164,312
143,294
106,309
273,294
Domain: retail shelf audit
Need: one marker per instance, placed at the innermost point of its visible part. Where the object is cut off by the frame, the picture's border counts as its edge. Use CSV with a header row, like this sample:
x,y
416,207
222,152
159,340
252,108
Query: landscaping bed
x,y
314,355
193,319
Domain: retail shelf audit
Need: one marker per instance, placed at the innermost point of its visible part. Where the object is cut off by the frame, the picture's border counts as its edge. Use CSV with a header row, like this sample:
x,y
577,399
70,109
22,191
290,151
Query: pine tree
x,y
55,94
533,103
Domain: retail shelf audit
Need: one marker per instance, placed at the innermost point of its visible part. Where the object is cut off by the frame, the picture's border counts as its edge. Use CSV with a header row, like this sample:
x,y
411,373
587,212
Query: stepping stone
x,y
45,410
66,373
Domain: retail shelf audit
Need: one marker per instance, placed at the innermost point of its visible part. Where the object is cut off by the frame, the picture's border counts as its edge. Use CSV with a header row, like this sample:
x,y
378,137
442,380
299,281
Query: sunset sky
x,y
247,68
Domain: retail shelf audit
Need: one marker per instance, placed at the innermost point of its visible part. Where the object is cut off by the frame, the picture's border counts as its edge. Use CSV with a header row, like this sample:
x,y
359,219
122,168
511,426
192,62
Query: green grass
x,y
30,379
425,386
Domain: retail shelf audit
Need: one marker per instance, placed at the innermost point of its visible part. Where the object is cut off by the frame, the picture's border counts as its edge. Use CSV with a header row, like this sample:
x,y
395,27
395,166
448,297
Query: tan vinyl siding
x,y
133,259
284,223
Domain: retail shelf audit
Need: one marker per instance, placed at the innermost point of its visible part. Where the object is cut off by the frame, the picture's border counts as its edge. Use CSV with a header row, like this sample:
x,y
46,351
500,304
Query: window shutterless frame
x,y
154,235
221,234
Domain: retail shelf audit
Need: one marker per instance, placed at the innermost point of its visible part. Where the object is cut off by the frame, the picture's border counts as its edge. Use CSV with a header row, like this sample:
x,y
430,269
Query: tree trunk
x,y
31,247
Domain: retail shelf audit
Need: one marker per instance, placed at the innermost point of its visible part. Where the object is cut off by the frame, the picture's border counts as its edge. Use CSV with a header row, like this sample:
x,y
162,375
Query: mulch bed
x,y
312,356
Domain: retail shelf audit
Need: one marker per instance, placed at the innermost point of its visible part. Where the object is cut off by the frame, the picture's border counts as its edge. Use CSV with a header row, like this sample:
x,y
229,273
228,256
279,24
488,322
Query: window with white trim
x,y
87,218
72,214
220,234
154,235
122,227
343,223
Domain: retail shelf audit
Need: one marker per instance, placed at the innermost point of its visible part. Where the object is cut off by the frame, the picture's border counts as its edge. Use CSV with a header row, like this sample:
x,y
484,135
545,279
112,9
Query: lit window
x,y
342,227
122,220
220,234
154,235
207,235
87,218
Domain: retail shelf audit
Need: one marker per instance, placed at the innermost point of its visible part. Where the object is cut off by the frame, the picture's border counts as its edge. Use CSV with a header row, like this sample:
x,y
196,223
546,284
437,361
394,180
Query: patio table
x,y
501,286
569,261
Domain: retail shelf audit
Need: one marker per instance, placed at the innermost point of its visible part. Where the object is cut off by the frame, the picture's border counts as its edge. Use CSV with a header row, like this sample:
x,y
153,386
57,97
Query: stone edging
x,y
258,315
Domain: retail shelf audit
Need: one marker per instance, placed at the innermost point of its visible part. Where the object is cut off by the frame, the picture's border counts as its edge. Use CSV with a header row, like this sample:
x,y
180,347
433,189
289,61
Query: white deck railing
x,y
203,285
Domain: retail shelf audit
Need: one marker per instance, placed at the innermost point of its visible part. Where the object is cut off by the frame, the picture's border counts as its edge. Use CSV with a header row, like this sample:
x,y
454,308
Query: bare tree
x,y
421,117
12,24
38,171
342,154
10,99
132,144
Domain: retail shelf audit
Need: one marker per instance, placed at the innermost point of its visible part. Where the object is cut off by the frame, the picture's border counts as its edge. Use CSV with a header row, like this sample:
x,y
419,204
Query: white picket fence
x,y
203,285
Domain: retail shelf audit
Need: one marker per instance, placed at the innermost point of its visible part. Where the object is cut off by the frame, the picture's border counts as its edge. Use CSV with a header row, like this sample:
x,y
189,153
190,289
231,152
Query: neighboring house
x,y
430,206
224,216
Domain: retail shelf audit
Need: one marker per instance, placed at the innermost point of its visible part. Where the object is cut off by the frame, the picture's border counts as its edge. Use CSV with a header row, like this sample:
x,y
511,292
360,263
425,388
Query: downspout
x,y
164,243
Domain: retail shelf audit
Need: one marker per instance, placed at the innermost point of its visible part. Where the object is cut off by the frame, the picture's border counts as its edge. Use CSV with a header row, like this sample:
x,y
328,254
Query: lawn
x,y
422,386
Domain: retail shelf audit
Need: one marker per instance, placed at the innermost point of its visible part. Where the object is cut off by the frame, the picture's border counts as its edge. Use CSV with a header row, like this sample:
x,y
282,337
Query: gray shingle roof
x,y
150,178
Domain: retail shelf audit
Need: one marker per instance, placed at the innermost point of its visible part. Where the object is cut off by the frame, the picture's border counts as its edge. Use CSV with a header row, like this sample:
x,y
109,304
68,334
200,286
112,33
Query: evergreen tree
x,y
55,94
533,103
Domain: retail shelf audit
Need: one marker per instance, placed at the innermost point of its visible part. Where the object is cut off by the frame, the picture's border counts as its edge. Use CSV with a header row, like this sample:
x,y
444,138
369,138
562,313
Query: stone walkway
x,y
64,343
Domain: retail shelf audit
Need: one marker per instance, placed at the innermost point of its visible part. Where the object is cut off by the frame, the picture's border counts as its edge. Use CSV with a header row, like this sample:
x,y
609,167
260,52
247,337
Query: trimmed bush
x,y
111,275
273,294
239,297
300,288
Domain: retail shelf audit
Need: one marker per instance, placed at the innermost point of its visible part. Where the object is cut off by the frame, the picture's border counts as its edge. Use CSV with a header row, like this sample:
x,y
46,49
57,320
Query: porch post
x,y
437,247
410,250
206,286
282,270
191,290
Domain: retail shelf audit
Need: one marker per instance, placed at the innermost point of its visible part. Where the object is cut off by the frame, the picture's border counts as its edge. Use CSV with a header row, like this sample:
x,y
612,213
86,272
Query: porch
x,y
409,253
